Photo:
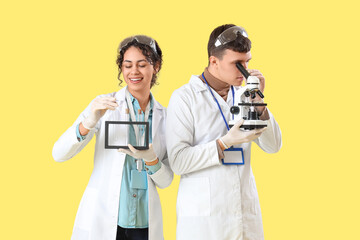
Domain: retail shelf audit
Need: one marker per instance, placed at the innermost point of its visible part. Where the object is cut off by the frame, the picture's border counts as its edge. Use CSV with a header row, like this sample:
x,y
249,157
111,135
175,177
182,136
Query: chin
x,y
139,87
237,83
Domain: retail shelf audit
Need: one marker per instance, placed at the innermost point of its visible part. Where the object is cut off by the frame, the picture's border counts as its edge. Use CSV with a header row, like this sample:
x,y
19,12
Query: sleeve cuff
x,y
80,137
153,169
220,151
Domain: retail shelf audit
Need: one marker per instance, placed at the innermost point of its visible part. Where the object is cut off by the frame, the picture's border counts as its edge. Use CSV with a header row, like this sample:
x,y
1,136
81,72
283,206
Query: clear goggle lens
x,y
140,39
230,35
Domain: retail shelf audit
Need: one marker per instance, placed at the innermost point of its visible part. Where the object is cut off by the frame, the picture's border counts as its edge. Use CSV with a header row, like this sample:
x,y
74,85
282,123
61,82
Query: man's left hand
x,y
258,74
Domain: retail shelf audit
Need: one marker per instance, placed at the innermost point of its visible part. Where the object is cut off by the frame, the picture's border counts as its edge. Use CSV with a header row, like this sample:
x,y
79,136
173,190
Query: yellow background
x,y
56,56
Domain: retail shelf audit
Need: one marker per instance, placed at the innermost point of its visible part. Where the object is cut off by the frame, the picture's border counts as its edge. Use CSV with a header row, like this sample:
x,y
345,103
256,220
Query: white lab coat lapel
x,y
120,97
157,117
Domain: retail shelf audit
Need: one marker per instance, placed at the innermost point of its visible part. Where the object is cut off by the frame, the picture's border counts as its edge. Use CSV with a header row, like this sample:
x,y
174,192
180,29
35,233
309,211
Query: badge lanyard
x,y
139,139
222,114
232,149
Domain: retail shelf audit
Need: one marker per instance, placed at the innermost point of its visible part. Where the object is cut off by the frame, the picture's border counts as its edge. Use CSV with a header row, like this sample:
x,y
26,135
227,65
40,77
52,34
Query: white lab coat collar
x,y
120,96
198,85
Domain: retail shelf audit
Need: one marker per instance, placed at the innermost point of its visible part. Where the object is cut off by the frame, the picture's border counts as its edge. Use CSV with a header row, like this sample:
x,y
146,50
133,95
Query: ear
x,y
213,61
156,68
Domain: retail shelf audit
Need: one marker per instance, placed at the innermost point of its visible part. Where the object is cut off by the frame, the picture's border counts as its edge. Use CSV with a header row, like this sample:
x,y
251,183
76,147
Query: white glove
x,y
98,108
148,155
237,136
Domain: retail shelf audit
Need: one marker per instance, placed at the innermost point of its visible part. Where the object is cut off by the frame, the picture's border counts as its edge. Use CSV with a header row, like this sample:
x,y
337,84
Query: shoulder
x,y
189,91
158,105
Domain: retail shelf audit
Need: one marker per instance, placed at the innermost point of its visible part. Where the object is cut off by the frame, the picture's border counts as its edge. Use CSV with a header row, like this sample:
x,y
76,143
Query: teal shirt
x,y
133,203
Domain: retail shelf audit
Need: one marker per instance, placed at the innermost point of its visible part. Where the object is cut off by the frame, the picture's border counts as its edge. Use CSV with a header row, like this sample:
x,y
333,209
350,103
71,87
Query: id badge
x,y
138,179
233,156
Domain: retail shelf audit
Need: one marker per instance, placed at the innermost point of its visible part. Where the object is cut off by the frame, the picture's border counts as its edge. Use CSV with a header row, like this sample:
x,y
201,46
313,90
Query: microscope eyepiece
x,y
253,95
260,94
243,71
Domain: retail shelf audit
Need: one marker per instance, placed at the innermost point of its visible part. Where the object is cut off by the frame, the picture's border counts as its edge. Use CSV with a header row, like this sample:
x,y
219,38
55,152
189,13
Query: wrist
x,y
222,144
152,163
82,130
89,123
264,115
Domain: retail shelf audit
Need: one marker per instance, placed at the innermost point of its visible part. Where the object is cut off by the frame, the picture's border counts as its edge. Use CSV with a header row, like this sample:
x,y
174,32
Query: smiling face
x,y
137,71
225,68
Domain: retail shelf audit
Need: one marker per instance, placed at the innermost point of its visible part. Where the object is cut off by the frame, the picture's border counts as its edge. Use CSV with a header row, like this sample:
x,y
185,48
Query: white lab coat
x,y
214,201
97,215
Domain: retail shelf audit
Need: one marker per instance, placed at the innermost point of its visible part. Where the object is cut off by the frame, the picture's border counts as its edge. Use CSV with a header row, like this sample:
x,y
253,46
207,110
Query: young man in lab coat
x,y
217,201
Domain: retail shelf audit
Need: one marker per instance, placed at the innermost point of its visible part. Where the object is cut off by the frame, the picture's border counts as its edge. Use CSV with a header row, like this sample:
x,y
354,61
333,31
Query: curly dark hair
x,y
240,44
154,58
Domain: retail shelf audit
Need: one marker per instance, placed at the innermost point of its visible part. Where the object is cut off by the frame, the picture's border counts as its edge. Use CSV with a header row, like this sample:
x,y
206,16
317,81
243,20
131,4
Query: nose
x,y
135,70
246,65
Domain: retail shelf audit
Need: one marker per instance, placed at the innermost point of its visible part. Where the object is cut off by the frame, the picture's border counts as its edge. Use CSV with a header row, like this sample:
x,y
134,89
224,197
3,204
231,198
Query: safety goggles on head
x,y
230,35
140,39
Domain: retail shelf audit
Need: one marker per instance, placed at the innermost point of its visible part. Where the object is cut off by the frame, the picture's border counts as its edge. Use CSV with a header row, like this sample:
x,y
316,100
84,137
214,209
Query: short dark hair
x,y
240,44
154,58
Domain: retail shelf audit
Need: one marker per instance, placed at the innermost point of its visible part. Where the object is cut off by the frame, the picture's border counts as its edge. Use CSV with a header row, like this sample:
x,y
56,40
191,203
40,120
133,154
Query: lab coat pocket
x,y
86,209
194,197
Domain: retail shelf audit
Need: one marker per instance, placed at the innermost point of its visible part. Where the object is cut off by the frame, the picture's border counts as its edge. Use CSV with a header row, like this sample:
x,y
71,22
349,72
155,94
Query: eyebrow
x,y
235,61
142,60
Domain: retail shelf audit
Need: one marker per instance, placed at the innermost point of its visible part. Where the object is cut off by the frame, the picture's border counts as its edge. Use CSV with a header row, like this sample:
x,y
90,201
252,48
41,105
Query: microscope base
x,y
250,124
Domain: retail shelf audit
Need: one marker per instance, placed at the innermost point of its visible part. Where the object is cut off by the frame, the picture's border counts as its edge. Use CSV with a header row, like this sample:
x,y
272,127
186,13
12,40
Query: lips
x,y
136,80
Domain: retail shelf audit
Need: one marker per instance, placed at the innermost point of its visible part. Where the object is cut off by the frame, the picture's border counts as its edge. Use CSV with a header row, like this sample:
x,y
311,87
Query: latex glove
x,y
98,108
148,155
237,136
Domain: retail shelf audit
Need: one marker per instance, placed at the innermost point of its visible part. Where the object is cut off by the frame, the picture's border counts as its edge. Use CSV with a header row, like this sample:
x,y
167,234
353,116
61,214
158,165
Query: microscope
x,y
244,108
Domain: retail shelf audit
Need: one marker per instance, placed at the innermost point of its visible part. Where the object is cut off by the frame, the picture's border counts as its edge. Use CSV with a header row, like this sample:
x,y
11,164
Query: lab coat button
x,y
134,195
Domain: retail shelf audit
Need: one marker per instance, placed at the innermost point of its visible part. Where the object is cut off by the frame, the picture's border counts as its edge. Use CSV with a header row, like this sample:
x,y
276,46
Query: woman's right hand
x,y
98,108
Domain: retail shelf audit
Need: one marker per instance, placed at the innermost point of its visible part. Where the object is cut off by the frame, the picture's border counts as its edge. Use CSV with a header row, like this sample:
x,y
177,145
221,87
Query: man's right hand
x,y
237,136
98,108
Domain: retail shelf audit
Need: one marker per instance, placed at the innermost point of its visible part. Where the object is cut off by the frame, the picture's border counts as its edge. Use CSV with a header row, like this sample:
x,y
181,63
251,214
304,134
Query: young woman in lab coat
x,y
114,205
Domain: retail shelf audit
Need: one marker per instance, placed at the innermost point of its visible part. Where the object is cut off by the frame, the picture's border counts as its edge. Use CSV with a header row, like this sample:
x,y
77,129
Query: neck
x,y
142,97
218,82
213,72
222,88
